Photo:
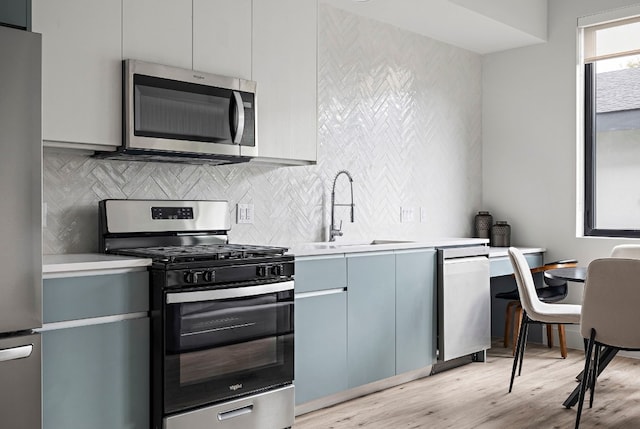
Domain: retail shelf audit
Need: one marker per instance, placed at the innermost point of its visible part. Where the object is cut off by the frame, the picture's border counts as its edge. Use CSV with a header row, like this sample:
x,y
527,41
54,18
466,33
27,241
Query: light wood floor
x,y
475,396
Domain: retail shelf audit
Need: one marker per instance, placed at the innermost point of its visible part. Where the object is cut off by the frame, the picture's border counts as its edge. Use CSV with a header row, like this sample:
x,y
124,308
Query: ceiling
x,y
481,26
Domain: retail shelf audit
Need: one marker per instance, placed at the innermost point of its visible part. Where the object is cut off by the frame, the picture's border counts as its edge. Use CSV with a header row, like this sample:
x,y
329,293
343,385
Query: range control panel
x,y
204,276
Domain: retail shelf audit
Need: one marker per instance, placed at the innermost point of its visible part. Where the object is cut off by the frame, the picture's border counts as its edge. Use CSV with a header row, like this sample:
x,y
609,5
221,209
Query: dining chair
x,y
629,251
610,315
556,290
534,310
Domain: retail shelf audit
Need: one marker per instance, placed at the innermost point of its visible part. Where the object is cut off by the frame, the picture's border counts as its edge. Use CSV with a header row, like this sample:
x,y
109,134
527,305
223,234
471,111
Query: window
x,y
611,61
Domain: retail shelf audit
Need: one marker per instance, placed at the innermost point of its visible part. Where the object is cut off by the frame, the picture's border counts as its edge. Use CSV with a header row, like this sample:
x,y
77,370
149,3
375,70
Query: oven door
x,y
225,343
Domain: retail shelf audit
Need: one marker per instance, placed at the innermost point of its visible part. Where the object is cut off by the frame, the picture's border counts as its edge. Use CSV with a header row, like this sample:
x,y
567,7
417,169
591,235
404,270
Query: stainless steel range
x,y
221,315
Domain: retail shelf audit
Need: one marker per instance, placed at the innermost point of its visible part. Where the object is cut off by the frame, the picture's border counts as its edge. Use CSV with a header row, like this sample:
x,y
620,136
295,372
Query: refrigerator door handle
x,y
16,353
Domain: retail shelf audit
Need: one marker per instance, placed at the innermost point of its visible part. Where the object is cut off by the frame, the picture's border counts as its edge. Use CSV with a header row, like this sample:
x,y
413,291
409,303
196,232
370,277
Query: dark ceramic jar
x,y
501,234
483,222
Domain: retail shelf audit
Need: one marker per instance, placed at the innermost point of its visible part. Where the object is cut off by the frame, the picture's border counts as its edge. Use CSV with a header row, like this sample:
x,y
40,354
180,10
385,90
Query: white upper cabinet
x,y
222,37
158,31
284,67
271,42
81,71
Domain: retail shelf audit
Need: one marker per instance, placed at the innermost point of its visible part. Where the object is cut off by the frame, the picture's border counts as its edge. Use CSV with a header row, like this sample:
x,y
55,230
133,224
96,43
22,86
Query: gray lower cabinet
x,y
362,317
96,376
320,326
95,352
320,346
415,309
371,317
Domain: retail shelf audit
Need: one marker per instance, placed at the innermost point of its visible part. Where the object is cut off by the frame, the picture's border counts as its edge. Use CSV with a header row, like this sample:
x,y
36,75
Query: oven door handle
x,y
238,292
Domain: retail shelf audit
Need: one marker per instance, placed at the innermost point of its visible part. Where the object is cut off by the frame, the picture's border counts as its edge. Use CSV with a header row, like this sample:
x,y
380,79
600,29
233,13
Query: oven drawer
x,y
271,409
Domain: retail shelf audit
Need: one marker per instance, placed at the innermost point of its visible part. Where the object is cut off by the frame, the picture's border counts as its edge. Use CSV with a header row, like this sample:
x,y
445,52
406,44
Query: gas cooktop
x,y
204,252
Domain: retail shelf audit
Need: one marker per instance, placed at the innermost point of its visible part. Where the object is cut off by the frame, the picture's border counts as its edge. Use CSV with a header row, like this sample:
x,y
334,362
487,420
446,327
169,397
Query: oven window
x,y
199,366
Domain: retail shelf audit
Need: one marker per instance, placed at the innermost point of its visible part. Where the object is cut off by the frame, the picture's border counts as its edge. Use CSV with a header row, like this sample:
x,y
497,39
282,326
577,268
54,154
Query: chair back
x,y
629,251
526,286
610,302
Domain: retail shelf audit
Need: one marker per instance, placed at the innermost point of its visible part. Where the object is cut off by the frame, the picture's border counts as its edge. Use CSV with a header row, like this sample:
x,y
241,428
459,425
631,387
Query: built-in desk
x,y
501,265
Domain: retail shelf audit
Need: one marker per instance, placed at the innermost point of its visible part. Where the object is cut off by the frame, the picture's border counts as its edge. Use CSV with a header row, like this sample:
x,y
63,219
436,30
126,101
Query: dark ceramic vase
x,y
501,234
483,222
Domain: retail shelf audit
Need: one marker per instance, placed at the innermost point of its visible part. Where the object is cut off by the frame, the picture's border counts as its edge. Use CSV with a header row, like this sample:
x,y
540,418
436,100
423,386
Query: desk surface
x,y
576,274
499,252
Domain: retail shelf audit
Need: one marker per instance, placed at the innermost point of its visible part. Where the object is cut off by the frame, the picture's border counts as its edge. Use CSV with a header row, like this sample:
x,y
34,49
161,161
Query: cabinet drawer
x,y
320,273
72,298
502,266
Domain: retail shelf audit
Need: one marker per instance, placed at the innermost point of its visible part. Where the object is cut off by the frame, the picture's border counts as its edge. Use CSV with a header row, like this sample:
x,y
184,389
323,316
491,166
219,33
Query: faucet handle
x,y
335,232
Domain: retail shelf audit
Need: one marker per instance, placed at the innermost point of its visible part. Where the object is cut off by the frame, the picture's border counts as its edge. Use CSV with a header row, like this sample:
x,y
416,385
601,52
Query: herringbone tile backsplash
x,y
400,111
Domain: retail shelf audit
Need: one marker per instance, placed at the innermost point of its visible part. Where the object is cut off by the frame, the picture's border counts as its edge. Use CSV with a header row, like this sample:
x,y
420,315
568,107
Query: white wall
x,y
530,139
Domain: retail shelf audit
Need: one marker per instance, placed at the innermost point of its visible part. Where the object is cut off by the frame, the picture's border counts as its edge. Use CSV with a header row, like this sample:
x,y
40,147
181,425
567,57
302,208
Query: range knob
x,y
261,271
277,270
189,277
208,276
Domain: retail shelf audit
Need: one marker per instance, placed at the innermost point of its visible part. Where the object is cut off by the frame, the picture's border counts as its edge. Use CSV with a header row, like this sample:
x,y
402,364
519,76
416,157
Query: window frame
x,y
590,163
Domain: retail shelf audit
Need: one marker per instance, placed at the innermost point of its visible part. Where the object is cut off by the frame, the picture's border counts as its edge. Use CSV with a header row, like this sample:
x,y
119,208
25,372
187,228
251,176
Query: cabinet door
x,y
415,309
222,37
81,70
15,13
96,376
371,333
285,67
158,31
320,346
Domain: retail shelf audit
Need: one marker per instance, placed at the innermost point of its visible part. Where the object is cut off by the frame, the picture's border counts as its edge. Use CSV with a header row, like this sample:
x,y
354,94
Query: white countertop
x,y
327,248
88,263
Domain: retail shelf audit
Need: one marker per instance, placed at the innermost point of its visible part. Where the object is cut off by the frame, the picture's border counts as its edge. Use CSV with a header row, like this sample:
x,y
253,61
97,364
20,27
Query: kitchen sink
x,y
338,244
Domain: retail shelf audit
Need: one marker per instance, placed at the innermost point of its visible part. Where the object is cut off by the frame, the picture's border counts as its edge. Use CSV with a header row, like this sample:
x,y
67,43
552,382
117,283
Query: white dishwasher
x,y
464,302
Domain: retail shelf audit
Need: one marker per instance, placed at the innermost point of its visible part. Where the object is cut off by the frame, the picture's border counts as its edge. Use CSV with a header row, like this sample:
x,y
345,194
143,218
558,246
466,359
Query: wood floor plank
x,y
475,396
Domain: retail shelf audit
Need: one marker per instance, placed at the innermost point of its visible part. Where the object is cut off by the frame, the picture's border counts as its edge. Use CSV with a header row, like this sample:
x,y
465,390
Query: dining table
x,y
579,275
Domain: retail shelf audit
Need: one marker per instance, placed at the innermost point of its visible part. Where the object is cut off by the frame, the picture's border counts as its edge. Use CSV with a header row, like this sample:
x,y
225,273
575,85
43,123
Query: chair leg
x,y
585,376
517,322
549,336
507,321
594,375
563,340
516,356
525,328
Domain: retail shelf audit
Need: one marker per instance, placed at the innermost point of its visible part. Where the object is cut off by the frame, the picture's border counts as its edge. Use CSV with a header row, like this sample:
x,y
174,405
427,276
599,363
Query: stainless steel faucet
x,y
333,231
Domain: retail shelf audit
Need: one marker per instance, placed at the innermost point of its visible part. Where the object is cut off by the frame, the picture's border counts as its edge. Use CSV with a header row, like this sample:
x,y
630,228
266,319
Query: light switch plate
x,y
244,213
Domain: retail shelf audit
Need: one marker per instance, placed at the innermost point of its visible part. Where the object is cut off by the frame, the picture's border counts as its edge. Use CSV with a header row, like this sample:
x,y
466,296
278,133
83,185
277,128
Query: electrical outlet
x,y
244,213
406,214
249,213
423,214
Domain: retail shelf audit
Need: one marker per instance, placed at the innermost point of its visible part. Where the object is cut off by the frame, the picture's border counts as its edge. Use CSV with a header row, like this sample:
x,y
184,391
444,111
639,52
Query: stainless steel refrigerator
x,y
20,229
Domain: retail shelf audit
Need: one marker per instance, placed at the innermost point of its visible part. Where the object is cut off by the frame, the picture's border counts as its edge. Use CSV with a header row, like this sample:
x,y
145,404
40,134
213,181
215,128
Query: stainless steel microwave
x,y
173,114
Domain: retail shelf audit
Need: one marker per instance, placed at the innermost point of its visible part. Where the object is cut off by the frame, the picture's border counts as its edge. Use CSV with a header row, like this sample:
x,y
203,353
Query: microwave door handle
x,y
239,131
